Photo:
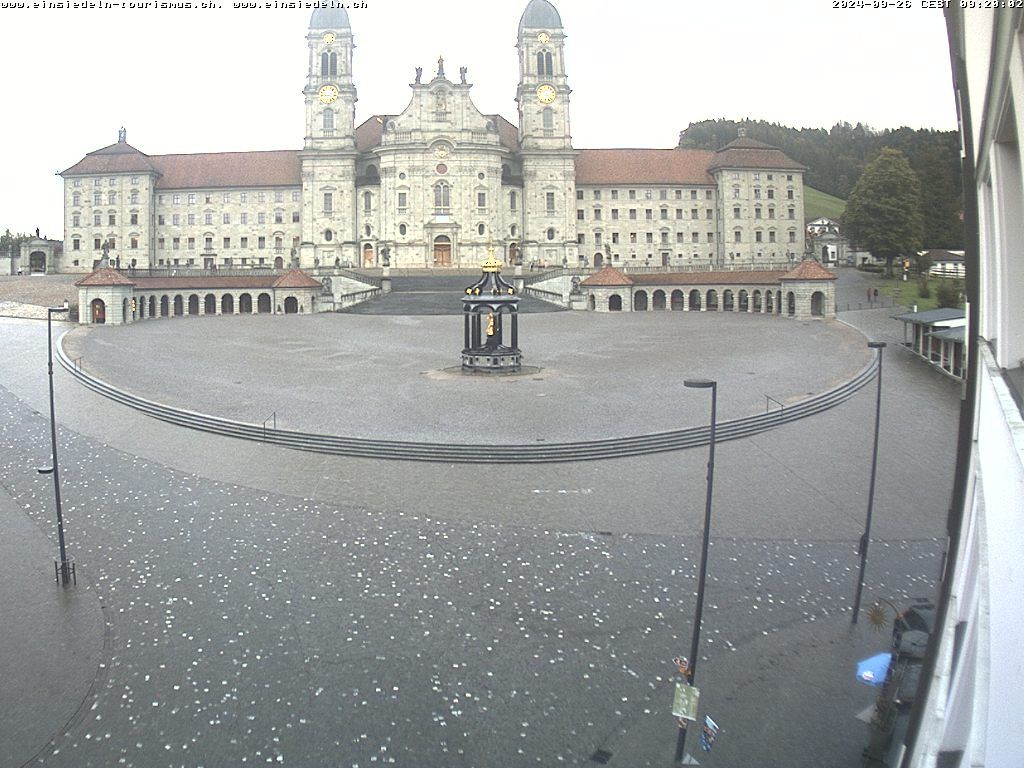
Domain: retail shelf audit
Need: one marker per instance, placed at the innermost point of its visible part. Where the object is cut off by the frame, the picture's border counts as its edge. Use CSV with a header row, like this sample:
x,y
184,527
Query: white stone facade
x,y
435,184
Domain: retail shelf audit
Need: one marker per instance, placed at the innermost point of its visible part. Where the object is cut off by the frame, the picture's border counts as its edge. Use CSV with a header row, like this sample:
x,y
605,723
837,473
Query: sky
x,y
230,79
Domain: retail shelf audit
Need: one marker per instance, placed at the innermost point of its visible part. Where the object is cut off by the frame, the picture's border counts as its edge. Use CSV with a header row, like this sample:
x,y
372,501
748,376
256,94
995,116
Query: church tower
x,y
329,152
549,165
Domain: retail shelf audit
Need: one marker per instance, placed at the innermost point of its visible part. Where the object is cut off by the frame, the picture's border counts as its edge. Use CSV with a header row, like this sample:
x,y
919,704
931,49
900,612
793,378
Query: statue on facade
x,y
419,74
440,66
462,74
122,134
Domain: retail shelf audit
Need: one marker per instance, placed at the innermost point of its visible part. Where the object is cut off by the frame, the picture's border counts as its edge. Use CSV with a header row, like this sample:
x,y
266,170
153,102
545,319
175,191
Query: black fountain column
x,y
483,307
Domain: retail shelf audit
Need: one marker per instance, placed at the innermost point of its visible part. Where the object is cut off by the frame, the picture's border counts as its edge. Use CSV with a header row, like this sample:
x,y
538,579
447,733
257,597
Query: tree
x,y
883,213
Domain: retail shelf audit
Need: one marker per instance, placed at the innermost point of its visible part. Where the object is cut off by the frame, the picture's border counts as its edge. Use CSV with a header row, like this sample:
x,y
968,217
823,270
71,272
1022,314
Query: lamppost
x,y
66,569
695,641
863,548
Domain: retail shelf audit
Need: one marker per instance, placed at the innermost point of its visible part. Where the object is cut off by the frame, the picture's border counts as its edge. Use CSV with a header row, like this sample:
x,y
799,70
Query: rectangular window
x,y
711,237
244,242
694,237
663,194
134,197
208,198
295,195
615,238
757,213
161,243
597,214
679,237
261,197
632,237
792,213
97,244
243,197
664,213
176,219
112,219
512,201
176,243
648,214
693,194
208,243
757,176
709,213
243,218
580,238
664,238
615,194
708,194
191,243
632,214
279,217
112,198
632,194
579,194
771,194
597,194
403,200
736,212
97,198
771,237
227,197
579,214
789,177
261,218
771,213
737,237
191,198
757,236
481,200
97,219
770,177
693,213
208,219
757,194
295,217
261,242
736,192
76,245
792,236
789,194
650,237
191,219
278,196
160,199
679,213
226,218
76,220
615,214
597,238
549,200
227,243
112,182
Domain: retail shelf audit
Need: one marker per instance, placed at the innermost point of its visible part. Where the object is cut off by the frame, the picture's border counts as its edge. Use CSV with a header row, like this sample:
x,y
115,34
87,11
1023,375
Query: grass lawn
x,y
818,204
908,293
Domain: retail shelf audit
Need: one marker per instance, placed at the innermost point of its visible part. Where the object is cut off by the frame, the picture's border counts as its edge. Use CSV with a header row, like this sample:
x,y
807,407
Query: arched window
x,y
369,230
548,63
480,229
328,235
367,202
548,117
551,233
334,64
544,63
442,197
512,201
540,63
328,119
512,230
324,64
402,229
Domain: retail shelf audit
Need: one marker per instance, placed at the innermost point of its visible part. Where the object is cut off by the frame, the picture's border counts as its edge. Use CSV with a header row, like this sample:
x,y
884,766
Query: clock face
x,y
329,94
546,93
329,38
543,38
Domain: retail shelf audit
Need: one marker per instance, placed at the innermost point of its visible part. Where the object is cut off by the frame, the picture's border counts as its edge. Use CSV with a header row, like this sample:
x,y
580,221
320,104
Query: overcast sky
x,y
231,79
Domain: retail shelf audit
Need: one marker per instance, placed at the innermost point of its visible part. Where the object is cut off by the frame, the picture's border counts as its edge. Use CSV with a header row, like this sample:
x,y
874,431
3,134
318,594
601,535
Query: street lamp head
x,y
876,344
699,383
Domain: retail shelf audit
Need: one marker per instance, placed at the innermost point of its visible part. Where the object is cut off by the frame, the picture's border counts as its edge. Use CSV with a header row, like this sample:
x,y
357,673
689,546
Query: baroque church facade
x,y
438,184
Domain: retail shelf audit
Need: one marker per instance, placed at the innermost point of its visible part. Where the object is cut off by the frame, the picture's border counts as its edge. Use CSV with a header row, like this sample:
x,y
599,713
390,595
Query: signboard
x,y
684,703
708,734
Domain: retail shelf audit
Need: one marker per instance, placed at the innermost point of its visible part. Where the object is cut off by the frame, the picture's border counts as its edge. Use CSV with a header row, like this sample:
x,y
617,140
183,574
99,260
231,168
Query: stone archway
x,y
279,263
37,261
263,304
193,304
658,299
640,301
712,301
368,255
291,305
790,304
817,304
245,304
615,303
227,304
728,302
442,251
179,305
164,306
98,311
210,304
677,301
695,300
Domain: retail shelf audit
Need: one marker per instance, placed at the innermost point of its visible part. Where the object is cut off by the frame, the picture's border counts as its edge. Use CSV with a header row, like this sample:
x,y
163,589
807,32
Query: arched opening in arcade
x,y
193,304
712,304
263,305
442,251
790,304
677,301
37,261
817,304
728,303
142,307
615,303
164,303
757,301
778,302
640,301
695,300
744,301
178,306
593,302
291,305
227,304
658,300
125,309
210,304
769,302
245,304
98,311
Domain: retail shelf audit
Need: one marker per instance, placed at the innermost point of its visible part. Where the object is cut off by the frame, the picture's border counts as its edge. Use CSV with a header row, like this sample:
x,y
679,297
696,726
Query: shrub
x,y
922,288
948,294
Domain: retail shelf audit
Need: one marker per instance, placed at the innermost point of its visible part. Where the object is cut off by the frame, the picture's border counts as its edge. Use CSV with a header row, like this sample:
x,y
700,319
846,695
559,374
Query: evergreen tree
x,y
883,214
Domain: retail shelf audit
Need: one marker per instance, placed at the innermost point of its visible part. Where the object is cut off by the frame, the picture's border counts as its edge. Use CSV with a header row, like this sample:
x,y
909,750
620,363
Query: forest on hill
x,y
836,157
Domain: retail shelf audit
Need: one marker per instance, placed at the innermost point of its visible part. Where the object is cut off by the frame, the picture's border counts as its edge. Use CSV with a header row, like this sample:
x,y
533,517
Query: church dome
x,y
329,18
540,14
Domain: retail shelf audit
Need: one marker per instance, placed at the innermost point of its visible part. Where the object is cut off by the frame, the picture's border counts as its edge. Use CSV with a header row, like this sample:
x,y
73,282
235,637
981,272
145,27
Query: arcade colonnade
x,y
108,296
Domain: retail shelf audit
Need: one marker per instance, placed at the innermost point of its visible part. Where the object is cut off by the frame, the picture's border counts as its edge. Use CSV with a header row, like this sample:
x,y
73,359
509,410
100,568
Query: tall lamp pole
x,y
691,669
65,566
863,548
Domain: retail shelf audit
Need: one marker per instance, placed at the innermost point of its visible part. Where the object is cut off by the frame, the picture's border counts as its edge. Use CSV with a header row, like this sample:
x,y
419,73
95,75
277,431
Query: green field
x,y
821,204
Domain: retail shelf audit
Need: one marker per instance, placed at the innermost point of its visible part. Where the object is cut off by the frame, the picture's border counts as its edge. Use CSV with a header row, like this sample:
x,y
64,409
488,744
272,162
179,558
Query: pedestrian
x,y
876,294
869,295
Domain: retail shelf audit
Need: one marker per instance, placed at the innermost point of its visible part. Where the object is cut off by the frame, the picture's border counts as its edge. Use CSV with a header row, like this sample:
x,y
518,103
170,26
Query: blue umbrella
x,y
873,671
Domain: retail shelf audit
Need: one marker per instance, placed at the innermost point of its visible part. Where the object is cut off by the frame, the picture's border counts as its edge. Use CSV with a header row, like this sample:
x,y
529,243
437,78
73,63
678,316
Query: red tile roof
x,y
117,158
276,168
607,276
368,133
104,276
643,166
748,153
809,269
709,278
296,278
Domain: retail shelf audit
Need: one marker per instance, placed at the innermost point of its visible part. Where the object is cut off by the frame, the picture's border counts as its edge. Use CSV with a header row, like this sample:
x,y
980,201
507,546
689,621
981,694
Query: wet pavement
x,y
267,606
